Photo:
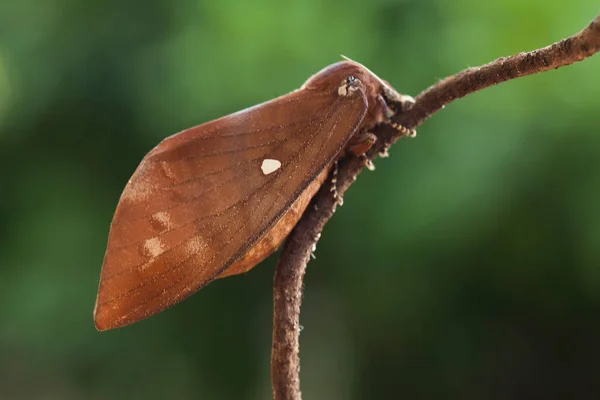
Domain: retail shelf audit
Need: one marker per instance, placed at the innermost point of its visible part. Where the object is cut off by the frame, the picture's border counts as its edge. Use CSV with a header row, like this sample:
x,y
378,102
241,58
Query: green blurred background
x,y
466,267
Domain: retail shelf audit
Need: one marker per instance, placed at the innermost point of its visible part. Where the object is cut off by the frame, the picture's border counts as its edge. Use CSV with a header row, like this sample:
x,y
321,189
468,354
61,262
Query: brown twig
x,y
290,271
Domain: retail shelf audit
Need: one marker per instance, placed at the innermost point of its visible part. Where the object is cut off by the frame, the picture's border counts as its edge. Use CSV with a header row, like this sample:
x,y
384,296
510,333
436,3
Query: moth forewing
x,y
216,199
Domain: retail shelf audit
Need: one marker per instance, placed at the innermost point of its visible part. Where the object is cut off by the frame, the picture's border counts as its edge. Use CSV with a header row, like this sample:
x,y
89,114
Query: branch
x,y
287,293
568,51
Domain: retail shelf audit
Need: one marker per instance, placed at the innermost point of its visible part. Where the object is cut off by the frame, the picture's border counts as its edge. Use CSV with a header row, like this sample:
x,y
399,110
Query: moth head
x,y
384,100
396,101
348,78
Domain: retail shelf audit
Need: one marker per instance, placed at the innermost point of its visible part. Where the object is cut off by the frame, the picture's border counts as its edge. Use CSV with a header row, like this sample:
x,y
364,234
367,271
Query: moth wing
x,y
202,197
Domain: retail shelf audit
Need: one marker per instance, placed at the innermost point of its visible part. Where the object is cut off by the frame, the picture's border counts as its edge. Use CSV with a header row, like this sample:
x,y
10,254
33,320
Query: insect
x,y
216,199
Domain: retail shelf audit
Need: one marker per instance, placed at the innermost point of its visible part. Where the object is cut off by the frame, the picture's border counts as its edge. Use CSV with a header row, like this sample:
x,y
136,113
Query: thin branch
x,y
290,271
568,51
287,297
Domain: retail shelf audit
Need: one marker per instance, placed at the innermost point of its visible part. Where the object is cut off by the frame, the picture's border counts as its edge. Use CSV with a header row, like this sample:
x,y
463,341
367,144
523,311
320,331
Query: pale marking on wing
x,y
195,245
163,218
180,263
154,247
270,165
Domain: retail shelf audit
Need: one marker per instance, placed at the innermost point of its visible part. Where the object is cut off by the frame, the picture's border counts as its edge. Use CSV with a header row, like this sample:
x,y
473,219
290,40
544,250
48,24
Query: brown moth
x,y
216,199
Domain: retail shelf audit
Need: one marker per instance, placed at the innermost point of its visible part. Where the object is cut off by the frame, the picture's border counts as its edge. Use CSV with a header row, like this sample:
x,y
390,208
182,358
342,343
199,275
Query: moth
x,y
216,199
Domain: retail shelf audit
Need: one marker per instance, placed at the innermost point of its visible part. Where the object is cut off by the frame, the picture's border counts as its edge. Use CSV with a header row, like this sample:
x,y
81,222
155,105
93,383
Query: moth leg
x,y
411,133
361,143
333,188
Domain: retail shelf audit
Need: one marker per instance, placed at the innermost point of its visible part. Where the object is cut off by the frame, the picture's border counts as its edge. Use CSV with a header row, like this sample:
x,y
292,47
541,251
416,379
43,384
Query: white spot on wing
x,y
153,247
269,166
